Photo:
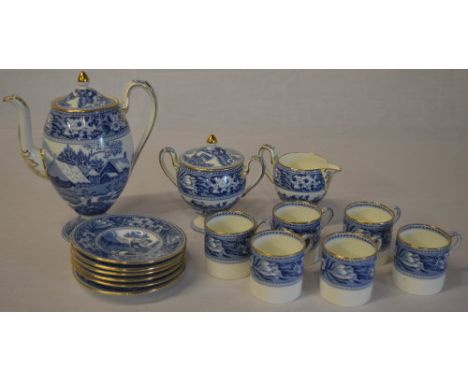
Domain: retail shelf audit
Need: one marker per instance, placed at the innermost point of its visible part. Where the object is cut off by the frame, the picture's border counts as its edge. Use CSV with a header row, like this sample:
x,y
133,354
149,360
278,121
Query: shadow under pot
x,y
299,176
210,178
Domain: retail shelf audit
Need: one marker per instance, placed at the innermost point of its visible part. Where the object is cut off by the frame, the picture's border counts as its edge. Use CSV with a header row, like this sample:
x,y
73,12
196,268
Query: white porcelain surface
x,y
227,271
413,285
345,297
275,295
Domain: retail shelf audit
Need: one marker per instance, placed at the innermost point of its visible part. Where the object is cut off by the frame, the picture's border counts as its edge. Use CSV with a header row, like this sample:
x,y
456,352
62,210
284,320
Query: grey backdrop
x,y
400,137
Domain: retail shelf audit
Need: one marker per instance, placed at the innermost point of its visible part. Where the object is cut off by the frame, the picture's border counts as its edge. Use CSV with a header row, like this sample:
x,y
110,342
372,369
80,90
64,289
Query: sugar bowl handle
x,y
247,170
174,160
153,112
273,158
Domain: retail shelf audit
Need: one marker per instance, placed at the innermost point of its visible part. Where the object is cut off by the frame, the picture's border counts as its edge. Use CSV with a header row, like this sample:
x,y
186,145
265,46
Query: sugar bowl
x,y
210,178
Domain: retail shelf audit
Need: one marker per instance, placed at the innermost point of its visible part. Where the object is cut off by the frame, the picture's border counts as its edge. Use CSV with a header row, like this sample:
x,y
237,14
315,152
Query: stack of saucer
x,y
127,254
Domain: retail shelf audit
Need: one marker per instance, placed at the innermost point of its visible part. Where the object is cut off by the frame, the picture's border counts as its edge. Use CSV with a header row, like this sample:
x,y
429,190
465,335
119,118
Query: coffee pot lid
x,y
84,99
212,157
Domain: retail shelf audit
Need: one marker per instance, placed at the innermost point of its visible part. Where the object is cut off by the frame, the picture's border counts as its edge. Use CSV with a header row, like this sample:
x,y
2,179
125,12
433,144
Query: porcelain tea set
x,y
88,154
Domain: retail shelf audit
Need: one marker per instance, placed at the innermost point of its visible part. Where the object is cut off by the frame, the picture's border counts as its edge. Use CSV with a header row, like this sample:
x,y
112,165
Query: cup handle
x,y
174,160
327,216
261,222
247,170
456,240
153,113
397,211
273,158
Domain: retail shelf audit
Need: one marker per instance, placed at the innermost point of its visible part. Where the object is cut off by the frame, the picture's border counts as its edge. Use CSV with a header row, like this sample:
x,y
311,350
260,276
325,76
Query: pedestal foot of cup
x,y
226,271
345,297
412,285
198,224
276,295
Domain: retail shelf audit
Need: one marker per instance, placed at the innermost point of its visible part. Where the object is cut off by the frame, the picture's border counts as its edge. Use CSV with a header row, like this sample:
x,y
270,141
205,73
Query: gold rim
x,y
372,204
338,169
229,212
118,285
283,233
133,271
124,279
55,106
298,203
355,235
424,226
128,293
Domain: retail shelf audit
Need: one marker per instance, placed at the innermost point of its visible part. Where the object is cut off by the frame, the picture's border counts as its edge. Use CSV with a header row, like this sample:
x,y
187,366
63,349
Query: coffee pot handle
x,y
153,112
174,160
247,170
273,158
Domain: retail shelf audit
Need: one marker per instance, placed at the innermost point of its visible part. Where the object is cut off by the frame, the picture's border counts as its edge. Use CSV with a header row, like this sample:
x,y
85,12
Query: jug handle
x,y
247,170
174,160
273,158
153,113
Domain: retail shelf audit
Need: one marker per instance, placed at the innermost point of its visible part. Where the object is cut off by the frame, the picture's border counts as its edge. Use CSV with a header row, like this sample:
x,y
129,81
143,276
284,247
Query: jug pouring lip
x,y
306,161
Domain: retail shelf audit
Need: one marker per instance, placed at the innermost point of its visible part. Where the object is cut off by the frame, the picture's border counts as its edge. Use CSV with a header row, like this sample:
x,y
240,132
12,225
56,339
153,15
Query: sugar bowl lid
x,y
84,99
212,157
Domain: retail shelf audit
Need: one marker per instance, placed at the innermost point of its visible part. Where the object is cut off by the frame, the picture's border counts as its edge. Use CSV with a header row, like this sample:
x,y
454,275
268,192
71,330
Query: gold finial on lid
x,y
83,77
212,139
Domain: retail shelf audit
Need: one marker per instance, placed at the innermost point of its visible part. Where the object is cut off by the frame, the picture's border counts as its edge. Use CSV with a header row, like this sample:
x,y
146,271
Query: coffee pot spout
x,y
33,156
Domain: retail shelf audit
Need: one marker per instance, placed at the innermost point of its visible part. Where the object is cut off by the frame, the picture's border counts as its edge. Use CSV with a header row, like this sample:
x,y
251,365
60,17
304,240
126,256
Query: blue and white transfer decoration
x,y
305,185
420,263
352,274
89,173
211,191
380,234
347,274
276,271
129,239
210,178
228,248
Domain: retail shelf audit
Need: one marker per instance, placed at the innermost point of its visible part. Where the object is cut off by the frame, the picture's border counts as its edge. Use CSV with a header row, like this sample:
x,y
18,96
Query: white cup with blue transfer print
x,y
305,220
347,270
277,265
375,220
227,236
421,255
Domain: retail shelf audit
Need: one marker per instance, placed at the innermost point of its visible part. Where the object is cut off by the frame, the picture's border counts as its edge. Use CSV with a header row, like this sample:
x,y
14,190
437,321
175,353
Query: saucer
x,y
127,271
109,290
125,285
128,239
123,279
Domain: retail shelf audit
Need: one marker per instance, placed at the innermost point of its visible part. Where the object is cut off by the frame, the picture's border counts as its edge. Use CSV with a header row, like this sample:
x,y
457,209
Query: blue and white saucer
x,y
128,239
